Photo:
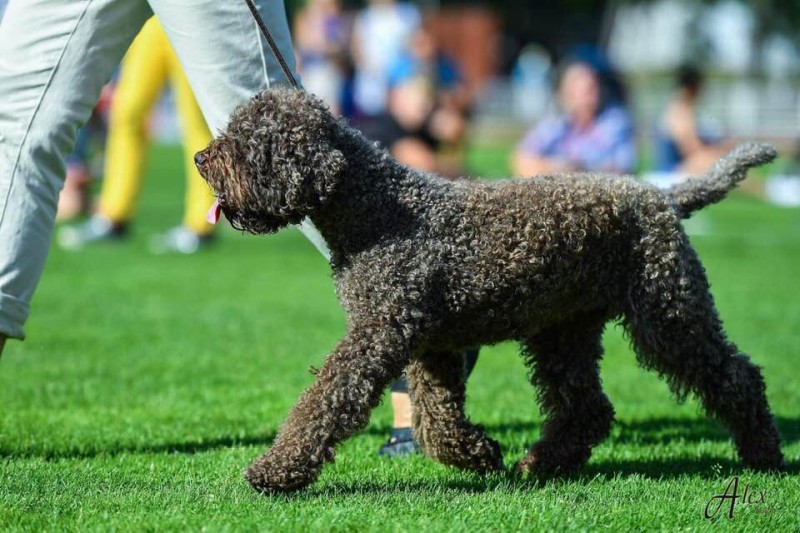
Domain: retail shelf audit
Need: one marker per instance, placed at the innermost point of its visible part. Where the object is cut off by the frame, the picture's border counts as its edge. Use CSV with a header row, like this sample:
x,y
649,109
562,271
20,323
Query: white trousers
x,y
56,55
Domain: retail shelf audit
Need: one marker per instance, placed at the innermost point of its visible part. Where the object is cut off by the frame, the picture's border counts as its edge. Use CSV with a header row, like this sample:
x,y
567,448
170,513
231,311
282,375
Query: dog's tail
x,y
697,192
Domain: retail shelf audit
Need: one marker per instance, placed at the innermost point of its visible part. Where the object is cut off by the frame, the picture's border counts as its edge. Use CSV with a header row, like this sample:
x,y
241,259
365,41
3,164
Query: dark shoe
x,y
96,229
400,443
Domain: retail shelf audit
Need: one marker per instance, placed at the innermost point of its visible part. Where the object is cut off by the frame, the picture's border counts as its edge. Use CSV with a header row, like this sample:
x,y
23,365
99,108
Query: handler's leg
x,y
226,59
55,57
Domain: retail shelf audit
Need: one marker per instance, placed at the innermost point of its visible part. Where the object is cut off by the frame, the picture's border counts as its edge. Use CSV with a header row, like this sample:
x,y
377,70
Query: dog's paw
x,y
470,451
760,449
772,461
549,459
489,457
273,484
270,477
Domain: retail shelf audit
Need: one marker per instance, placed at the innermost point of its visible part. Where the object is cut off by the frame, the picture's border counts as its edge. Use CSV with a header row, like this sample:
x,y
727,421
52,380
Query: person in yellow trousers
x,y
148,66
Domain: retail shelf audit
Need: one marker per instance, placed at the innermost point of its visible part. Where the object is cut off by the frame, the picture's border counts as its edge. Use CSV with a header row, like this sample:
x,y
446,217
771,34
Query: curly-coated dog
x,y
425,266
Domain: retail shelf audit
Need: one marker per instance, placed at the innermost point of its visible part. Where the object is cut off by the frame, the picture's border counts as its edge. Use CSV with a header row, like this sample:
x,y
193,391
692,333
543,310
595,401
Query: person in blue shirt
x,y
587,133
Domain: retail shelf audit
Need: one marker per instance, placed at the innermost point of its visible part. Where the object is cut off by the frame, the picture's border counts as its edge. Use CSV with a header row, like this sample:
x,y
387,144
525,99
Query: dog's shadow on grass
x,y
708,468
651,431
662,430
114,449
645,432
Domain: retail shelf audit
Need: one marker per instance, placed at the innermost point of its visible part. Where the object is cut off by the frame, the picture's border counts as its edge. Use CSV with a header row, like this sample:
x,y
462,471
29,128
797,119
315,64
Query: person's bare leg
x,y
401,408
401,440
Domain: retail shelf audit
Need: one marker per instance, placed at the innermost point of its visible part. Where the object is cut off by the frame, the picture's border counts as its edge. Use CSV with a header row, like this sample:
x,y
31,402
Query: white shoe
x,y
179,239
96,229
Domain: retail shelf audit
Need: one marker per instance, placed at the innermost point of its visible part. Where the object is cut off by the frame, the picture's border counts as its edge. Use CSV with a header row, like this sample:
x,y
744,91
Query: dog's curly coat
x,y
425,266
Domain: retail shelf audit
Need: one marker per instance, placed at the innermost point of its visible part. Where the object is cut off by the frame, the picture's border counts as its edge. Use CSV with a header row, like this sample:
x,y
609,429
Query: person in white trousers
x,y
56,55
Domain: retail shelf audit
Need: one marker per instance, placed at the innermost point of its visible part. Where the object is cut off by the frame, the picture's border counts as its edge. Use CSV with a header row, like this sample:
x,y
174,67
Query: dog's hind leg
x,y
676,331
564,367
349,385
437,386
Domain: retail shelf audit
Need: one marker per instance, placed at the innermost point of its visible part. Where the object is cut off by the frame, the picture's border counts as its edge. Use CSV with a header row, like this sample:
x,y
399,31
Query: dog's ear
x,y
311,173
304,163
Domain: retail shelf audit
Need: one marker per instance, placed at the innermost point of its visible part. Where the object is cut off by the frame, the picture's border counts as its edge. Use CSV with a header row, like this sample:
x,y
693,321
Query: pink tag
x,y
213,213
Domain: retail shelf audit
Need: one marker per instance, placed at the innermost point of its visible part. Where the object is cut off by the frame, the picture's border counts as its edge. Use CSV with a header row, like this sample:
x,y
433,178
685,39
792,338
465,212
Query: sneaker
x,y
400,443
96,229
180,240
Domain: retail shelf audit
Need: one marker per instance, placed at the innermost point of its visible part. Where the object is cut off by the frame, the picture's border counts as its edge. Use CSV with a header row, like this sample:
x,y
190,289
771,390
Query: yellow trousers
x,y
147,67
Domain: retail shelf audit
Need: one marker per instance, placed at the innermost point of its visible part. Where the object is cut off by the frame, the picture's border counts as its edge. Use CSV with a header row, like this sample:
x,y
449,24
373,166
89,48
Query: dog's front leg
x,y
349,385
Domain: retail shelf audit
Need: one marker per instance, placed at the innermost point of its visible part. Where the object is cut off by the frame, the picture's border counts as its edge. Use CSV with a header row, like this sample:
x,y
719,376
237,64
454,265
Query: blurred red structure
x,y
470,35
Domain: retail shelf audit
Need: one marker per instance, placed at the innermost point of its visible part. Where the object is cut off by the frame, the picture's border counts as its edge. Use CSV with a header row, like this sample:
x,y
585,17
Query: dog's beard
x,y
251,203
250,218
257,223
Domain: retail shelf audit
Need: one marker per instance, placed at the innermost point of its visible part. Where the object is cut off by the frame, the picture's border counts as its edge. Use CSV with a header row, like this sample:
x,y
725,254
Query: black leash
x,y
272,46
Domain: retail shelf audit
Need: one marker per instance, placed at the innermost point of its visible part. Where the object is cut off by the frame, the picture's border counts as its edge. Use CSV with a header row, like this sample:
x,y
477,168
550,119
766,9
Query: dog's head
x,y
275,163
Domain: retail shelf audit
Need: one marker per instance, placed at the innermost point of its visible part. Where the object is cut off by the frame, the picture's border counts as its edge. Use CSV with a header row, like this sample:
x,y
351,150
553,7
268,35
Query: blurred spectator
x,y
320,33
425,122
423,57
380,33
84,161
149,64
612,85
682,145
590,133
531,82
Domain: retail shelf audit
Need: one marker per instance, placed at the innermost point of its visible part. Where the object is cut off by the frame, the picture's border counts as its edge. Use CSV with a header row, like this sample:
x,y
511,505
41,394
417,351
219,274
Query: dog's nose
x,y
199,159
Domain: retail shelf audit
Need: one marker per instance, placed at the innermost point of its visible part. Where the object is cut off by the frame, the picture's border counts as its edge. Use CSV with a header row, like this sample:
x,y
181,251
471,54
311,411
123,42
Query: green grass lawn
x,y
148,383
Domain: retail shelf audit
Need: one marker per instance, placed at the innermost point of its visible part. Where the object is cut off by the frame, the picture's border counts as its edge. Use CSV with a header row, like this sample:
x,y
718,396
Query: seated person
x,y
682,146
425,122
587,134
413,129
